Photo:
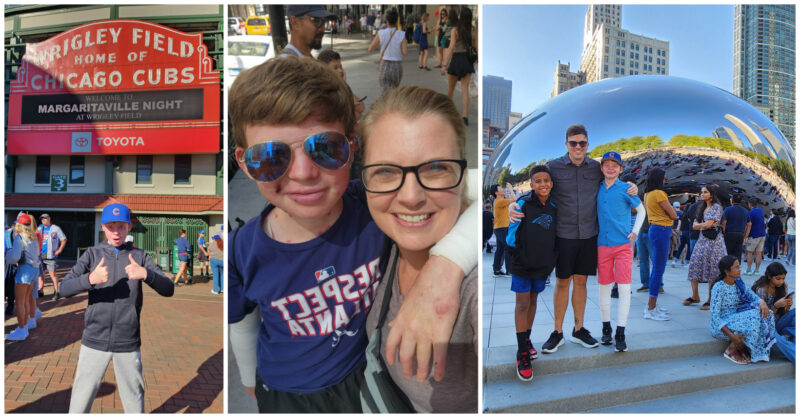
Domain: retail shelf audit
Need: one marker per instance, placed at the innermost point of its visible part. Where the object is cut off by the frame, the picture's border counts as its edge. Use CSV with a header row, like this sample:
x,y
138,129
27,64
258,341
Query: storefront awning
x,y
96,202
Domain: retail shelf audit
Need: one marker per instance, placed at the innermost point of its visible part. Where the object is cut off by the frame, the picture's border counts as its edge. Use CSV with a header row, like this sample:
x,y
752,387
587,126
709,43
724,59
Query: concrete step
x,y
768,396
585,389
499,363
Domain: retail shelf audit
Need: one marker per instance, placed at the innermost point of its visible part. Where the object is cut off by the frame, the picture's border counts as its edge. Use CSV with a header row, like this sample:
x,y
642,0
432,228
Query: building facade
x,y
564,79
764,62
496,100
610,51
166,191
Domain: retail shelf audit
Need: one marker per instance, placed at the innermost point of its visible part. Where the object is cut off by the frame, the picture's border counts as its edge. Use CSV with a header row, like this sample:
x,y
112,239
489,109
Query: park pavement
x,y
182,358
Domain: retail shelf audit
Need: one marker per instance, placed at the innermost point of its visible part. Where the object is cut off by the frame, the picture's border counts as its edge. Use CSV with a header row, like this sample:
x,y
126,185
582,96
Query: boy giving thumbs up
x,y
112,272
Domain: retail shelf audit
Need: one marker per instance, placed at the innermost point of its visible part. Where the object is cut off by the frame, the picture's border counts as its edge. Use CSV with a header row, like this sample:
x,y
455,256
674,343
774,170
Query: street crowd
x,y
583,218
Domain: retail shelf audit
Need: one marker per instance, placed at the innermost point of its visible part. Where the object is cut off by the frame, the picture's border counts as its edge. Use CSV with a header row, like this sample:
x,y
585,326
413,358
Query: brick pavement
x,y
182,359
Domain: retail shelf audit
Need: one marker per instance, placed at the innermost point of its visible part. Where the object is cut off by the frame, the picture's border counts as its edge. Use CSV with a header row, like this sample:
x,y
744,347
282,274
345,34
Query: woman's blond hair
x,y
288,91
26,231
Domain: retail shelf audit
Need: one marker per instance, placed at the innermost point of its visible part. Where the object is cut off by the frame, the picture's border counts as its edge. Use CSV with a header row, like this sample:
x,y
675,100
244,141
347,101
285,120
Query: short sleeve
x,y
60,235
660,196
715,213
238,304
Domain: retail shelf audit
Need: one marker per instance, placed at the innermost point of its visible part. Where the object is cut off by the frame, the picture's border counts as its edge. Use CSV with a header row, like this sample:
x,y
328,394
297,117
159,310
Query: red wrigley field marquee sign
x,y
115,87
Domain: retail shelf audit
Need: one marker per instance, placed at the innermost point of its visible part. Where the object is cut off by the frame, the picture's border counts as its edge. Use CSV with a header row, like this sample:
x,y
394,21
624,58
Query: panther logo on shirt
x,y
544,221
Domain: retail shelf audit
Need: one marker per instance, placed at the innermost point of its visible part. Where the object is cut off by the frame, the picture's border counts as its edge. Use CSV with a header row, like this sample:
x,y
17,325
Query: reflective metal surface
x,y
665,107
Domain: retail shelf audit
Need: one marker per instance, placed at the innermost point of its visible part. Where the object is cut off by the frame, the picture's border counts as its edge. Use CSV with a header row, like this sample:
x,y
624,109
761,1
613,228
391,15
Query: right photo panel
x,y
639,208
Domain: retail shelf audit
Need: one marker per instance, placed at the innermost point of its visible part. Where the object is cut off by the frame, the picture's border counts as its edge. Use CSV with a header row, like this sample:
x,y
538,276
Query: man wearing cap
x,y
53,242
307,23
614,245
202,253
112,273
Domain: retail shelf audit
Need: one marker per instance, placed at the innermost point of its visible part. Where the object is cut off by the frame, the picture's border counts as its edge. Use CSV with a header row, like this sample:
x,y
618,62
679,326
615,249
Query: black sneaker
x,y
583,338
615,293
619,337
500,273
56,296
532,353
524,368
606,338
643,289
41,294
551,345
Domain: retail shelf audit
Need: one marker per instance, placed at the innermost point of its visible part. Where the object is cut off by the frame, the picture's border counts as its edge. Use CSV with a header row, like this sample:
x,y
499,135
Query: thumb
x,y
130,257
102,262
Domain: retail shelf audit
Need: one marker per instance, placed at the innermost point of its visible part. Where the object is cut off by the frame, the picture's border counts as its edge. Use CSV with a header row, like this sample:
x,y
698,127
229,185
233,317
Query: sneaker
x,y
38,314
662,310
215,292
583,338
620,346
547,282
524,368
615,293
532,353
606,338
551,345
655,315
500,273
660,290
56,296
18,334
673,263
643,289
41,294
31,324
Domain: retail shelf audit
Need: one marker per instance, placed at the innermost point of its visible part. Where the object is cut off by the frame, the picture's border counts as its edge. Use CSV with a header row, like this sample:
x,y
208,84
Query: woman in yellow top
x,y
660,214
503,198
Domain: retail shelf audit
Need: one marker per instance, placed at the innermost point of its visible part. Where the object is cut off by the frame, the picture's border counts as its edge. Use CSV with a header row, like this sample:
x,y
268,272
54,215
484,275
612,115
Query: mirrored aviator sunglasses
x,y
269,161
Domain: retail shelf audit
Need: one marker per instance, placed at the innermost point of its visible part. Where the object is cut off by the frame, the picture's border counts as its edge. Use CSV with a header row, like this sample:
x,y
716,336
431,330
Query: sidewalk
x,y
181,354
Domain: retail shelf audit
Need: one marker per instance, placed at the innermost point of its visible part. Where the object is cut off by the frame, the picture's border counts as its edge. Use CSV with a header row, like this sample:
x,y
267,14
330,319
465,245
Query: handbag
x,y
711,233
472,54
380,394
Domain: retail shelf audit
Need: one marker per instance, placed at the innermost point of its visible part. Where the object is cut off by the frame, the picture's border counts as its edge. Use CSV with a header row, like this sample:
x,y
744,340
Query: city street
x,y
182,357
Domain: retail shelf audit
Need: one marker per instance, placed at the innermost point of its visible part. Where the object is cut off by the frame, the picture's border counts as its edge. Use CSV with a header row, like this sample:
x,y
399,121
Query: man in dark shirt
x,y
736,224
774,232
756,237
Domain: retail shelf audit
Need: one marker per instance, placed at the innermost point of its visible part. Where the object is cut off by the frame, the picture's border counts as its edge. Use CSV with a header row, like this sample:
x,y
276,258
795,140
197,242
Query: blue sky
x,y
524,43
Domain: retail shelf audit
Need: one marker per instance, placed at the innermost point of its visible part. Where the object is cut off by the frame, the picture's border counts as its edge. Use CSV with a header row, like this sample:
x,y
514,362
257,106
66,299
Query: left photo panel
x,y
114,209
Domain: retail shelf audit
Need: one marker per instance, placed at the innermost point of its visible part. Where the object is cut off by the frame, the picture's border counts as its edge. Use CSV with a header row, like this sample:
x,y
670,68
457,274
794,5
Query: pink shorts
x,y
614,264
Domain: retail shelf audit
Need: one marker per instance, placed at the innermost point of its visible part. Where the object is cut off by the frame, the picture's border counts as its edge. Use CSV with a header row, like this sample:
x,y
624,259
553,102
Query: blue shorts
x,y
524,284
183,258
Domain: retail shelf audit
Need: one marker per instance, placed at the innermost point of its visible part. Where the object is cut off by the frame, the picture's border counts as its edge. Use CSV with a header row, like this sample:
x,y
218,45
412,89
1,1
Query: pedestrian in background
x,y
53,243
25,253
459,59
393,48
710,248
202,253
215,253
660,214
440,28
183,256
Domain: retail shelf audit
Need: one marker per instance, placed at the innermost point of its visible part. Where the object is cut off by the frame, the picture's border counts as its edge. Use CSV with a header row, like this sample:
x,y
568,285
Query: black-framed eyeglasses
x,y
431,175
269,161
317,21
582,144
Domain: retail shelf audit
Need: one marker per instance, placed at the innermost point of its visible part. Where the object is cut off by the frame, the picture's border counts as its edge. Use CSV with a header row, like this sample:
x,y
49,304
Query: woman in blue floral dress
x,y
707,252
738,314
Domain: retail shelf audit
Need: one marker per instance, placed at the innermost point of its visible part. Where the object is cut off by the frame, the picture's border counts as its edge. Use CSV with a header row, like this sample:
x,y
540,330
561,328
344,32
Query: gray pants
x,y
92,365
389,75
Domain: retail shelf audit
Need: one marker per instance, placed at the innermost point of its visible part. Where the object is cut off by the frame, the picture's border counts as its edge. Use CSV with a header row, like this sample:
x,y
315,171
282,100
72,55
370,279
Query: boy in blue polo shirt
x,y
532,245
614,245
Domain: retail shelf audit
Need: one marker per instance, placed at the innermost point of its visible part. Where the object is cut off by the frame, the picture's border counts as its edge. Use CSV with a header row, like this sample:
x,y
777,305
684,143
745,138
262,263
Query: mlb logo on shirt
x,y
81,142
325,273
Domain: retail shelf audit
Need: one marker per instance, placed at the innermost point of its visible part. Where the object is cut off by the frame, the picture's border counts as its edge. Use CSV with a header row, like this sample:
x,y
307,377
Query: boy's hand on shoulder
x,y
513,213
100,273
134,270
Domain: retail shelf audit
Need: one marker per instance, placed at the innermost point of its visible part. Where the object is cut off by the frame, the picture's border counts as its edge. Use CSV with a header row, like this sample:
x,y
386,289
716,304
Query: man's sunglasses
x,y
269,161
582,144
317,21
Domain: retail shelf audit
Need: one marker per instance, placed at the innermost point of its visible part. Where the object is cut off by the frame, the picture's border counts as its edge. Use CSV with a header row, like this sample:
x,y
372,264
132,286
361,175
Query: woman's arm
x,y
376,41
448,53
668,209
404,47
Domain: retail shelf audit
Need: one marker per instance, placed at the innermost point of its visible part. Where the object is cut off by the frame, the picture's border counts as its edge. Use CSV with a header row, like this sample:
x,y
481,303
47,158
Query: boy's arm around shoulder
x,y
77,280
156,278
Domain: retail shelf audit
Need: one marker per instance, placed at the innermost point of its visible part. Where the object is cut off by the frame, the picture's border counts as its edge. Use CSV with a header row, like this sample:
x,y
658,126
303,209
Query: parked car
x,y
245,51
257,25
235,26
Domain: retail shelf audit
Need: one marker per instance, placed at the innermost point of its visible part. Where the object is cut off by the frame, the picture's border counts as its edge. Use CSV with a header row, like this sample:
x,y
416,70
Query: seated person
x,y
772,288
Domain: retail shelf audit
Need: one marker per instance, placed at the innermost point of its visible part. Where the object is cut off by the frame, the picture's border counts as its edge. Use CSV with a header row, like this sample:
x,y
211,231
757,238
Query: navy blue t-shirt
x,y
736,218
183,245
758,227
314,296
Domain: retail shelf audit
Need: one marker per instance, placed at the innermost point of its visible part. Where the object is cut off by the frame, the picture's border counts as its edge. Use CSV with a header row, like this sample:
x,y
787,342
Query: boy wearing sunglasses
x,y
310,260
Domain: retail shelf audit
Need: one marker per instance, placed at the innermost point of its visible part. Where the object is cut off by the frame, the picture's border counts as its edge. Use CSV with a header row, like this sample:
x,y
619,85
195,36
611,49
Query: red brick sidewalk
x,y
181,355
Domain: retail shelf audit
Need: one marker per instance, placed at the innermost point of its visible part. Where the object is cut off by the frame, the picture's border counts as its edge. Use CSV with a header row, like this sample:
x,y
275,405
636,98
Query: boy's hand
x,y
633,190
425,321
632,237
100,273
134,270
251,390
513,212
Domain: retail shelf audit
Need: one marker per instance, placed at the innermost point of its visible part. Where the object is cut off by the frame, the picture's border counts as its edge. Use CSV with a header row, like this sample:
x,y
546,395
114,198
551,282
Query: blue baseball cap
x,y
612,156
201,232
215,237
116,212
314,10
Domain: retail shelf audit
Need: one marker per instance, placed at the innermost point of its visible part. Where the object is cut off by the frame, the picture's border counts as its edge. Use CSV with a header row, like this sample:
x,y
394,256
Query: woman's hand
x,y
763,309
785,302
738,341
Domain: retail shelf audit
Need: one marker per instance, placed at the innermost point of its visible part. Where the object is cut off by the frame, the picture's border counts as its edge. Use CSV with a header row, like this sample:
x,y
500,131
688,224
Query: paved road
x,y
181,355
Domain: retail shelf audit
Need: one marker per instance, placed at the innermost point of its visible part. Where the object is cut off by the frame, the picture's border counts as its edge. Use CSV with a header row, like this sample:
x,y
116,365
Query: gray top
x,y
22,249
575,195
458,391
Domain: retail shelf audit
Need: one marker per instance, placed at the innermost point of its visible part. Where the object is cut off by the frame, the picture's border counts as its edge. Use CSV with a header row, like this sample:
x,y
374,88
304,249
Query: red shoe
x,y
524,369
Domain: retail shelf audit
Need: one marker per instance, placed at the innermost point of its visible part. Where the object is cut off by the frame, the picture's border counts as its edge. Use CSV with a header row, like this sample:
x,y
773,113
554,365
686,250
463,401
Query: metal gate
x,y
159,233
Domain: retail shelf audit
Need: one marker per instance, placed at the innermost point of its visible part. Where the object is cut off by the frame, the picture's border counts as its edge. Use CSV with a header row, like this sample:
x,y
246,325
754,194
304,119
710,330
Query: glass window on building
x,y
77,168
144,169
183,169
42,169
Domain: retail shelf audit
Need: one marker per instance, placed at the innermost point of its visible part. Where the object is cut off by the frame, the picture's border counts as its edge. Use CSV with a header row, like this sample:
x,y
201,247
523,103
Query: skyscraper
x,y
764,61
496,100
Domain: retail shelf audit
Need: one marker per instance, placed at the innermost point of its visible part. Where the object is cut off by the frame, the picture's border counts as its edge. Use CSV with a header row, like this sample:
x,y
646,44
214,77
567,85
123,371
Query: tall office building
x,y
564,79
496,100
610,51
764,61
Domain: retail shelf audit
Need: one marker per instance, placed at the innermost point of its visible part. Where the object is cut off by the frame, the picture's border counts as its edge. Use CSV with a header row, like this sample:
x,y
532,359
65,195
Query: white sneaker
x,y
655,315
214,292
662,310
18,334
38,314
673,264
31,324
